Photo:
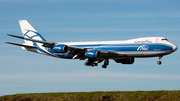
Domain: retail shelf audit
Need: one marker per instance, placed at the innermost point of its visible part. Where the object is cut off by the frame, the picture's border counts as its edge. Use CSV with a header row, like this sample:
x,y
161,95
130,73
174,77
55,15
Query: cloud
x,y
68,0
60,1
120,15
84,76
109,29
147,14
16,1
4,46
123,1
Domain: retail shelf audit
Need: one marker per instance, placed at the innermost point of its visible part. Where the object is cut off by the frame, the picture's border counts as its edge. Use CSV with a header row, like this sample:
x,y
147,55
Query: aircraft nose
x,y
175,47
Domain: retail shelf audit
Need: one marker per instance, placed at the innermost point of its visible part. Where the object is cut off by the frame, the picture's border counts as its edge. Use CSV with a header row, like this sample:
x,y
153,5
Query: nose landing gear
x,y
159,62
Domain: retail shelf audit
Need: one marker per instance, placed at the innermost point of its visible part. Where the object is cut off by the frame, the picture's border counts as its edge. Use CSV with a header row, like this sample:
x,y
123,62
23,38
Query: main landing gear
x,y
159,62
92,63
106,62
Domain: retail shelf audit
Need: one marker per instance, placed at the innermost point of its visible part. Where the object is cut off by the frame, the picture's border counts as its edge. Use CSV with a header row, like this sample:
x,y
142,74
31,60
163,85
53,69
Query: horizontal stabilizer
x,y
20,45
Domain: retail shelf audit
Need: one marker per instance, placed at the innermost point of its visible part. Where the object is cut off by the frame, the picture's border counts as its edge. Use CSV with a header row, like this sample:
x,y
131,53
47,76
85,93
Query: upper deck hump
x,y
152,39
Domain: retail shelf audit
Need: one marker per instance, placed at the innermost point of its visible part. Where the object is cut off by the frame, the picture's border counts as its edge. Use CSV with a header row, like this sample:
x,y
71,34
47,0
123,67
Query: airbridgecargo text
x,y
143,42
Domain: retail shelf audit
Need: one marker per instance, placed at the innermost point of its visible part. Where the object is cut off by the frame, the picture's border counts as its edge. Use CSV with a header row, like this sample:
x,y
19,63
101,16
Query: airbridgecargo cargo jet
x,y
95,52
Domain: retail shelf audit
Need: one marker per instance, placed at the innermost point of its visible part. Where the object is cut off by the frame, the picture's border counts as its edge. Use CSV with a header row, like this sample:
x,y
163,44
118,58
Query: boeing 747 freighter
x,y
95,52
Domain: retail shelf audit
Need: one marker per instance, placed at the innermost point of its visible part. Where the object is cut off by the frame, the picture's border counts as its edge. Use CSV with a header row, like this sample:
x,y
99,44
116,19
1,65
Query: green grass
x,y
97,96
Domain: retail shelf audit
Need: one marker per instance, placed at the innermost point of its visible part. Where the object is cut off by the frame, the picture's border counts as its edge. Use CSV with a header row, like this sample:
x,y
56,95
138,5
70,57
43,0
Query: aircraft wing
x,y
75,52
39,41
109,54
78,52
45,43
20,45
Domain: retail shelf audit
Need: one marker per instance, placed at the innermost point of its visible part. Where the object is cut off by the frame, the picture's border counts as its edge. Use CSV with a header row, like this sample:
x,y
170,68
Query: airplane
x,y
95,52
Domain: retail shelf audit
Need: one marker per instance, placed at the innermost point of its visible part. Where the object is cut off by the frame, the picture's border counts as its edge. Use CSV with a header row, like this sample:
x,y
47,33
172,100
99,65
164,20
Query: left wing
x,y
76,52
20,45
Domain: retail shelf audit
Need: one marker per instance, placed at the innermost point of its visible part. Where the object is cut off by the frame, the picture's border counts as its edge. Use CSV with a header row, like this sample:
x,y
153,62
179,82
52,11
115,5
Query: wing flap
x,y
76,48
110,54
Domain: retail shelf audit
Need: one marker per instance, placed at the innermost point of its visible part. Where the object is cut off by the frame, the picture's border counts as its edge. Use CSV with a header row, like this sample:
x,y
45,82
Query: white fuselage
x,y
139,47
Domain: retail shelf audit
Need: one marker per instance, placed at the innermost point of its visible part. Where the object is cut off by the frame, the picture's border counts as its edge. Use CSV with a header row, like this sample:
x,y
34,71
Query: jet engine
x,y
93,54
60,48
125,61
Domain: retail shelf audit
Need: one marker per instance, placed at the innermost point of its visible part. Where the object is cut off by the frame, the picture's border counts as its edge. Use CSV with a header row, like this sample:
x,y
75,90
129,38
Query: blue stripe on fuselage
x,y
130,47
125,48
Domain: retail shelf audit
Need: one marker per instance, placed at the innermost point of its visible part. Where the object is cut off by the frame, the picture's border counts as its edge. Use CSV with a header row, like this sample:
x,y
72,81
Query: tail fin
x,y
29,32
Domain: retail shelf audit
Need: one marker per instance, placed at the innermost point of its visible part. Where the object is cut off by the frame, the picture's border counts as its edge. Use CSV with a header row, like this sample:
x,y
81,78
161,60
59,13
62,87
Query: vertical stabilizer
x,y
29,32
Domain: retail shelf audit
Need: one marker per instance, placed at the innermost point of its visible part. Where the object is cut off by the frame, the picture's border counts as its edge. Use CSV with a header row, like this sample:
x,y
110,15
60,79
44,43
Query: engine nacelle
x,y
60,48
93,54
125,61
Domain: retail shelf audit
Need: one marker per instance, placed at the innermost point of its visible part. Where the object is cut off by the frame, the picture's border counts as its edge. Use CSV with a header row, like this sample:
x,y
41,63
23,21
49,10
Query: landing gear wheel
x,y
90,63
87,63
106,62
104,66
95,64
159,62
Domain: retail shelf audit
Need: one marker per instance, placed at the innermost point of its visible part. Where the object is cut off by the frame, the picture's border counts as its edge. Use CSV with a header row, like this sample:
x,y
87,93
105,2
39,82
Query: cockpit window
x,y
165,39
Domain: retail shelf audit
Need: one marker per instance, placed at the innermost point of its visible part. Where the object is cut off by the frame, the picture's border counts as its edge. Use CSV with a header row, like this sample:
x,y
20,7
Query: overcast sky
x,y
87,20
